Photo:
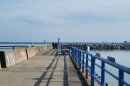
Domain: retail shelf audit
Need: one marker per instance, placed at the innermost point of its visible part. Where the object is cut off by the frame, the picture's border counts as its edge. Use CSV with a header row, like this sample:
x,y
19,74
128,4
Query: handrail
x,y
58,49
14,46
79,59
116,65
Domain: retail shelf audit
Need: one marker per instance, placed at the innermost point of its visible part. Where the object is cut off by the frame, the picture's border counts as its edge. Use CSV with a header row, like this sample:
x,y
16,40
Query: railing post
x,y
13,47
77,54
83,63
72,53
79,60
86,65
102,73
92,70
121,78
70,50
56,51
85,47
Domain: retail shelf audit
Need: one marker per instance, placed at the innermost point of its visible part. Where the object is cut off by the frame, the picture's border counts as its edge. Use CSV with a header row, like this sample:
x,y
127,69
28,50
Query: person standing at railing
x,y
53,45
56,44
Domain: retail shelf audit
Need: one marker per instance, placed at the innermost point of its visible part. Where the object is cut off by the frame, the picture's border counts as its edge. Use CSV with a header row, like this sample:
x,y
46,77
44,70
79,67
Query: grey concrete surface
x,y
42,70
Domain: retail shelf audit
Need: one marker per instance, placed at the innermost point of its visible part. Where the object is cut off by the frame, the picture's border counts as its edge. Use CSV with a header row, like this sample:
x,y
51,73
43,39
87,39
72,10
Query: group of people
x,y
54,44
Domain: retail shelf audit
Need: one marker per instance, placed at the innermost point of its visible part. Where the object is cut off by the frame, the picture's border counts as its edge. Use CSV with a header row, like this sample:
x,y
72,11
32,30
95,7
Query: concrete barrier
x,y
37,50
44,48
32,52
20,55
40,48
11,57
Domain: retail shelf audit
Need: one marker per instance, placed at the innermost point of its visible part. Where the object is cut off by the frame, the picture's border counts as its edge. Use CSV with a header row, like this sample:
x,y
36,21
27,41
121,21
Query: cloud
x,y
85,19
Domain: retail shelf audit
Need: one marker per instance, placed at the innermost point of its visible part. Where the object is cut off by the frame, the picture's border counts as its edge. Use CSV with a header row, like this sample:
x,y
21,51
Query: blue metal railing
x,y
58,49
82,59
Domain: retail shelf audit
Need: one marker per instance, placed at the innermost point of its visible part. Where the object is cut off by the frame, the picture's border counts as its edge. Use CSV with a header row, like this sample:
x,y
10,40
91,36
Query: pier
x,y
67,65
43,69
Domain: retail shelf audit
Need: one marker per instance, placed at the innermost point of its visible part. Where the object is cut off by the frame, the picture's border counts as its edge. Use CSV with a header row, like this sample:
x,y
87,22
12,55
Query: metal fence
x,y
13,47
82,59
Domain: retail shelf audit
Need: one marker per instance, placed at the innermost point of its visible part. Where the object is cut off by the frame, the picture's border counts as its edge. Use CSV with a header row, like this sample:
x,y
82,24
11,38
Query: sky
x,y
69,20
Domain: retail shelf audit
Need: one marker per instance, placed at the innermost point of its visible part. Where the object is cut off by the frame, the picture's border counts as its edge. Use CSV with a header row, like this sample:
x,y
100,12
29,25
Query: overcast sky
x,y
70,20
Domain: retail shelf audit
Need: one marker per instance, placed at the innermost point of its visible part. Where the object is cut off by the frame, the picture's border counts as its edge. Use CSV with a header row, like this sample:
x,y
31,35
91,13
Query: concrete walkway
x,y
42,70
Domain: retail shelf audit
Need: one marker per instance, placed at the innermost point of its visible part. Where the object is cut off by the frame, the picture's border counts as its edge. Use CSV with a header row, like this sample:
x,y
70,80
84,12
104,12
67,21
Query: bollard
x,y
111,59
87,48
98,54
97,75
106,83
13,47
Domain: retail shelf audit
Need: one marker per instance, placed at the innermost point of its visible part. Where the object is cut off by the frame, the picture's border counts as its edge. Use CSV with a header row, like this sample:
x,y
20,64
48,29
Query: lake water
x,y
122,57
11,48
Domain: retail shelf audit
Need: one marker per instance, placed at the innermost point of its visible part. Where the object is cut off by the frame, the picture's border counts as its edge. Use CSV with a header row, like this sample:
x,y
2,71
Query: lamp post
x,y
58,40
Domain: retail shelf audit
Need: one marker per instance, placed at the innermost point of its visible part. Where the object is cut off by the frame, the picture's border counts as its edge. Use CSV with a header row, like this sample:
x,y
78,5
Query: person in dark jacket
x,y
56,45
53,45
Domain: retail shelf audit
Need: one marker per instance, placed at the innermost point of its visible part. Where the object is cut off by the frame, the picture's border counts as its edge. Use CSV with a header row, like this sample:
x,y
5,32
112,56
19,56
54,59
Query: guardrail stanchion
x,y
102,73
86,65
77,53
121,78
83,63
92,70
79,59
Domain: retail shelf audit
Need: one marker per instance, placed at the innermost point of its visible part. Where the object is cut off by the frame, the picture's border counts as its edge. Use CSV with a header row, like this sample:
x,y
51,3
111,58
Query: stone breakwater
x,y
110,47
101,46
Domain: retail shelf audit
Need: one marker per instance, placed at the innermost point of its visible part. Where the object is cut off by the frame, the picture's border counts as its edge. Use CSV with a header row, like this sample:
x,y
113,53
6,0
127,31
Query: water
x,y
122,57
11,48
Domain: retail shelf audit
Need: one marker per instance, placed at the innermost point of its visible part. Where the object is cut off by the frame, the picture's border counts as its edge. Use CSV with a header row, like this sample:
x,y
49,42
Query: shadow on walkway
x,y
65,70
44,73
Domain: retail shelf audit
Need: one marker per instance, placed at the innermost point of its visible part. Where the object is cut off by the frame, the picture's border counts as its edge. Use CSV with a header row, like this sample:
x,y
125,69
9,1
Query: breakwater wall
x,y
11,57
101,46
109,47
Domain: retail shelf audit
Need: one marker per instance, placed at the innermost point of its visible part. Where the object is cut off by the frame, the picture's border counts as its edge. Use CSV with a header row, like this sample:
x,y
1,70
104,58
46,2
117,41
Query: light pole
x,y
58,40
